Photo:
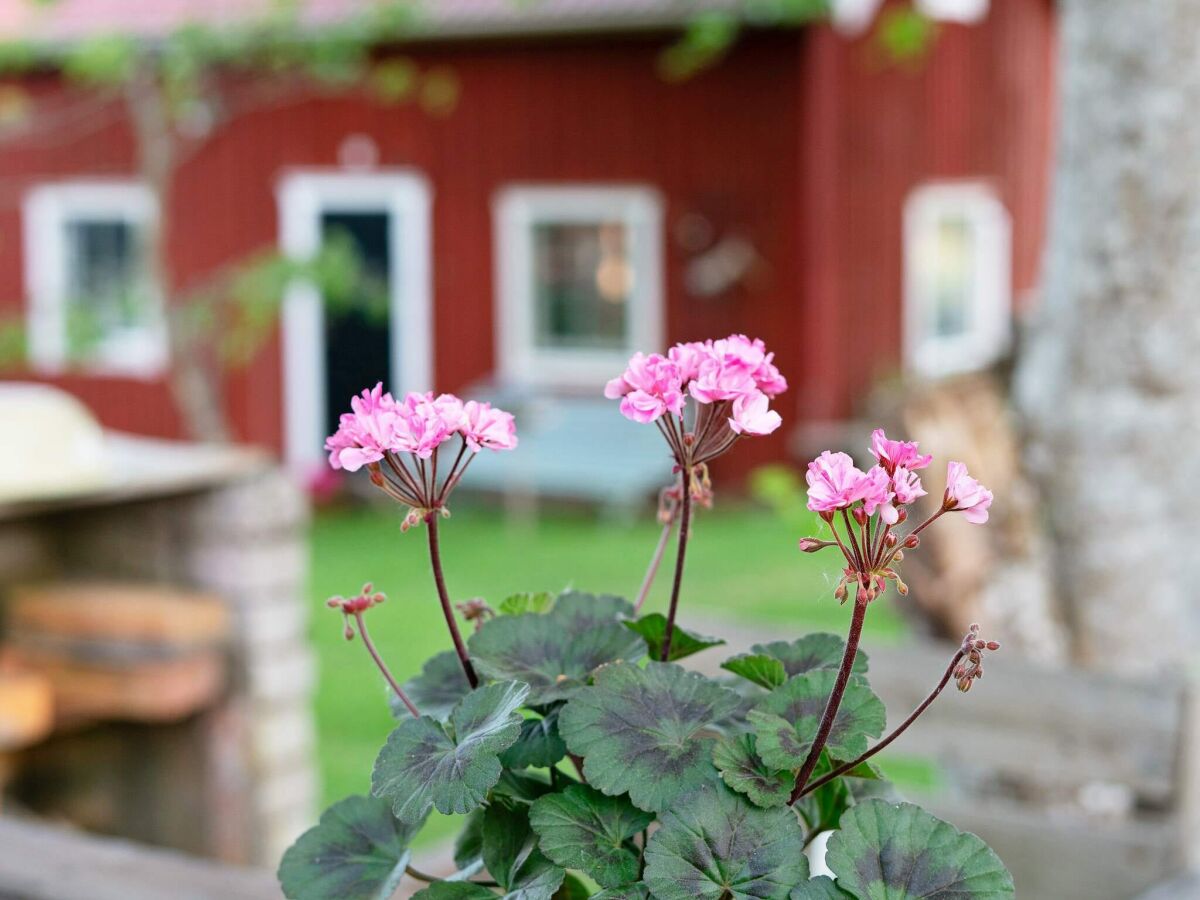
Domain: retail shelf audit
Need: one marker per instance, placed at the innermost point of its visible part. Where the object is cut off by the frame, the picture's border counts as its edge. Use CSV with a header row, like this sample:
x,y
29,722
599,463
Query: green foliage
x,y
639,730
519,604
453,766
512,856
358,851
539,744
743,770
583,829
900,852
714,844
684,643
787,719
440,686
556,652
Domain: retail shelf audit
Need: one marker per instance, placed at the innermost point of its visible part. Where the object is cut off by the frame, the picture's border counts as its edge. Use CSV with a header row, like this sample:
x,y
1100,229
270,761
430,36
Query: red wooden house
x,y
862,216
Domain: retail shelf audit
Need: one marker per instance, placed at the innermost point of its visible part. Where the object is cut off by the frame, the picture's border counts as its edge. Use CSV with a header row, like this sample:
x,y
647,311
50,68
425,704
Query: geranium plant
x,y
588,761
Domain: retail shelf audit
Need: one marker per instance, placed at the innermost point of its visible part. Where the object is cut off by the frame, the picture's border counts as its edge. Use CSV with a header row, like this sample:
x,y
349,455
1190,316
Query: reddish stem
x,y
435,558
685,521
900,729
835,699
655,562
387,675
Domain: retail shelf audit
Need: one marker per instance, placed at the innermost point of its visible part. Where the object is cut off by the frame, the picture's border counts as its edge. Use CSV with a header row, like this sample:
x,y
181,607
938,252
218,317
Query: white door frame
x,y
303,195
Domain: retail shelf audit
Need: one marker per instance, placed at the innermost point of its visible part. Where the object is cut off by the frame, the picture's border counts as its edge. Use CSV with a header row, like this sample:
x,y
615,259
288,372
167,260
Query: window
x,y
579,271
91,302
957,262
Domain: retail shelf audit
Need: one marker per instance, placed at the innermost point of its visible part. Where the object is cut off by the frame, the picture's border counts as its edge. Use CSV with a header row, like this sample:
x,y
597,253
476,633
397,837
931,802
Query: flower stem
x,y
835,698
652,570
435,558
387,675
685,522
900,729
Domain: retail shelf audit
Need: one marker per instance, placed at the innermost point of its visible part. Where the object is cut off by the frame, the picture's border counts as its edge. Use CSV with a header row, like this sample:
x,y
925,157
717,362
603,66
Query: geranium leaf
x,y
455,890
765,671
637,891
637,730
820,888
539,744
572,888
787,719
512,857
813,651
453,766
715,844
743,770
653,628
358,851
583,829
518,604
555,653
522,786
436,690
897,851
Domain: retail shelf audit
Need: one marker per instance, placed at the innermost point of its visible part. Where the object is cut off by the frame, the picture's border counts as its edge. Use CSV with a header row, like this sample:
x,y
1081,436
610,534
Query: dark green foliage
x,y
453,766
539,744
357,851
770,665
653,628
716,845
638,730
556,652
583,829
900,852
437,689
743,770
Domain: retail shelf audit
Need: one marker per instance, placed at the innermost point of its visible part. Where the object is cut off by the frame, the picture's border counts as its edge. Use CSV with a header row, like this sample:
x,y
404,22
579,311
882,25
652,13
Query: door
x,y
331,351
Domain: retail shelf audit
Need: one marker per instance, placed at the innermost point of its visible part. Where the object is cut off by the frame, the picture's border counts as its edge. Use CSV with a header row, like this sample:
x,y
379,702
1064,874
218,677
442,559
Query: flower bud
x,y
348,633
901,515
899,556
812,545
912,542
891,539
993,645
860,515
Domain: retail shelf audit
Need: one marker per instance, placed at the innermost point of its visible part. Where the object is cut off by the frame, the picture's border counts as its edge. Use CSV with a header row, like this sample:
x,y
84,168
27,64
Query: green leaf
x,y
637,730
453,766
539,745
820,888
468,846
765,671
441,684
555,653
358,851
454,890
519,604
787,719
512,857
653,628
897,851
522,787
637,891
715,845
583,829
573,888
744,771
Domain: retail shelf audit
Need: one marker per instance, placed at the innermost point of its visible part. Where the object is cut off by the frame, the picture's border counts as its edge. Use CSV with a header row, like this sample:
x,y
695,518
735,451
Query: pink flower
x,y
652,387
896,453
875,491
751,416
426,422
483,426
364,433
719,380
834,482
752,356
687,357
966,495
906,485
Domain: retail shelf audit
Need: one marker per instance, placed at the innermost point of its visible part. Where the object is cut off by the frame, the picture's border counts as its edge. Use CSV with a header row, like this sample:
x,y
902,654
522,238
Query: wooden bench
x,y
1088,786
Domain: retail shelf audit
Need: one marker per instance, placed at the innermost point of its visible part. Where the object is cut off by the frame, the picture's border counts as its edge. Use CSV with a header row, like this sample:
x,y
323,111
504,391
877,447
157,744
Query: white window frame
x,y
46,210
516,209
303,195
990,326
963,12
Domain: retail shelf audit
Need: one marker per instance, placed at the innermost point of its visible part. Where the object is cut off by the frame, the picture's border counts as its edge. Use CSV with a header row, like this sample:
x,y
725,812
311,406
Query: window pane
x,y
949,274
104,266
583,283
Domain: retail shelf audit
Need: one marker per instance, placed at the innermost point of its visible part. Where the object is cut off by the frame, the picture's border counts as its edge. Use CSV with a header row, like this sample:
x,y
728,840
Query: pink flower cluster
x,y
736,370
378,424
835,483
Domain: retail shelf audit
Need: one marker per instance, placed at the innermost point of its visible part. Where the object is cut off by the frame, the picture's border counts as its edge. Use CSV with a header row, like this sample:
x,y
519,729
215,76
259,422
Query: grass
x,y
743,565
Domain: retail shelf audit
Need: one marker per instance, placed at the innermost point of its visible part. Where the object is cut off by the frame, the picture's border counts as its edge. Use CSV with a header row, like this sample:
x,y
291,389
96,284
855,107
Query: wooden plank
x,y
124,613
39,862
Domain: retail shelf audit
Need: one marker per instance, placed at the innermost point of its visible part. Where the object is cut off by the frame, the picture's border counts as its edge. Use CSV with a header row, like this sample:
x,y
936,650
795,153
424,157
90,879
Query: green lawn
x,y
743,564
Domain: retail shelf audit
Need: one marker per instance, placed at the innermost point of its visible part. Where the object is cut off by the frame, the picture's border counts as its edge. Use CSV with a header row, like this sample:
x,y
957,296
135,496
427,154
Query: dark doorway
x,y
357,340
